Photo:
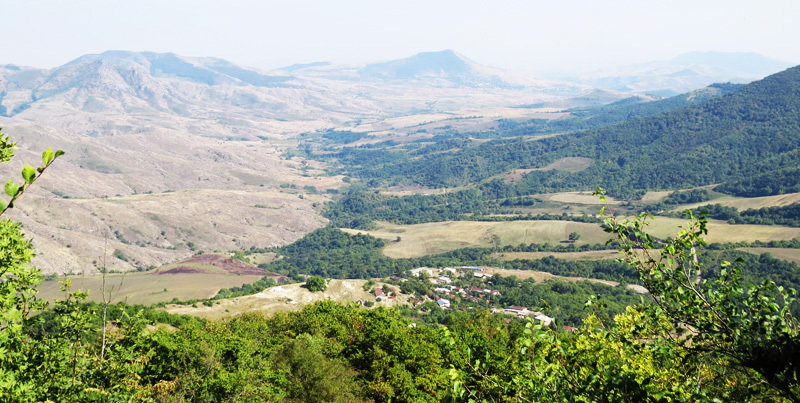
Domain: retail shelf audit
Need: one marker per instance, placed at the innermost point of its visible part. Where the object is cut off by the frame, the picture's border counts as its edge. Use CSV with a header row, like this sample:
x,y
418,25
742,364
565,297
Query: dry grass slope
x,y
285,298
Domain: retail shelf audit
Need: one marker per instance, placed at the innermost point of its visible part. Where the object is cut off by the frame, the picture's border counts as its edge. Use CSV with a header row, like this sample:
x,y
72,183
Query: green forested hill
x,y
753,130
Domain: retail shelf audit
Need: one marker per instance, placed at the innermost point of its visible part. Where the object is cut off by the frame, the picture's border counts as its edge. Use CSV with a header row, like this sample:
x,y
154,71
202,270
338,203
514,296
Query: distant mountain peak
x,y
441,63
449,68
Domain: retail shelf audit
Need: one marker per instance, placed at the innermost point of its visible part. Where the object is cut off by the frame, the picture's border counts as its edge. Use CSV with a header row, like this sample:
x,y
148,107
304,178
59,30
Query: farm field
x,y
285,298
744,203
148,288
791,255
720,231
588,255
195,278
580,198
431,238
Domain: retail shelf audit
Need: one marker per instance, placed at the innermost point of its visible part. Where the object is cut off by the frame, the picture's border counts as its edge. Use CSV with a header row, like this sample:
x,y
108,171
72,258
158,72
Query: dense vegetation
x,y
777,182
358,208
781,215
714,141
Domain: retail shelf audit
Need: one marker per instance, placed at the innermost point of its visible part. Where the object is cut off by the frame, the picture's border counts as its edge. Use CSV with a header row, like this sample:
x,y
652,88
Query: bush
x,y
316,283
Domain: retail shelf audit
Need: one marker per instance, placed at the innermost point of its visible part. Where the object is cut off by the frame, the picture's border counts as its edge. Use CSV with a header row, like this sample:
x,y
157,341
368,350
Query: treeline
x,y
677,198
564,301
793,243
756,268
118,313
246,289
780,215
601,269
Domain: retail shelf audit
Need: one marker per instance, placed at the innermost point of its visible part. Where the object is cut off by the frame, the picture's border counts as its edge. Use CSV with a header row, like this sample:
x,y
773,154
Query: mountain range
x,y
683,73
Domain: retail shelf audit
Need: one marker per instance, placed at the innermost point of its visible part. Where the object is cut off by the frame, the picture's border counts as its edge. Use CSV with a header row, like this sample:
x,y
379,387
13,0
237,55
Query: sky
x,y
521,36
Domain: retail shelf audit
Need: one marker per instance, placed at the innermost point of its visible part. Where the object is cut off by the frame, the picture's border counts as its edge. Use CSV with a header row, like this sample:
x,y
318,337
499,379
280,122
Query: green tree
x,y
18,282
312,376
574,237
316,283
750,328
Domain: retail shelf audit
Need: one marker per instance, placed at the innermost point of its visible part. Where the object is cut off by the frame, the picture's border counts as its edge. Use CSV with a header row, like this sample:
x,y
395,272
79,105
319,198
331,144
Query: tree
x,y
313,376
574,237
749,328
316,283
18,280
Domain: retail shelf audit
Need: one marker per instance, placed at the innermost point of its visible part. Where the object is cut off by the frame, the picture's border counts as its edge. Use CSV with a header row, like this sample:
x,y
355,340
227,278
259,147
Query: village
x,y
446,285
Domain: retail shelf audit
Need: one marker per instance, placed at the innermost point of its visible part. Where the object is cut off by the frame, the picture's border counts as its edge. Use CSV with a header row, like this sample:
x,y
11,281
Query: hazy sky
x,y
521,36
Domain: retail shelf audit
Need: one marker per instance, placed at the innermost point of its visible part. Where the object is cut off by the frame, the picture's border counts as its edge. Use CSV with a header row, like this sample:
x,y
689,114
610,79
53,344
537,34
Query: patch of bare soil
x,y
232,266
209,263
182,270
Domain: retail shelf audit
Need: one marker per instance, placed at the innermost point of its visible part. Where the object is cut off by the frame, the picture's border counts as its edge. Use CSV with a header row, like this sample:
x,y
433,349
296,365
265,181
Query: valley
x,y
317,205
156,172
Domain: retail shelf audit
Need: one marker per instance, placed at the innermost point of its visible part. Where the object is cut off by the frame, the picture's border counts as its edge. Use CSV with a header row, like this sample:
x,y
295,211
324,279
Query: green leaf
x,y
12,188
2,205
59,153
47,156
28,173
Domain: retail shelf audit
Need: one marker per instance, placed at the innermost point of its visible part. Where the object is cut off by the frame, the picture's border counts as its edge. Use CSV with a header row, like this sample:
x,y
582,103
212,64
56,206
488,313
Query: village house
x,y
397,278
426,270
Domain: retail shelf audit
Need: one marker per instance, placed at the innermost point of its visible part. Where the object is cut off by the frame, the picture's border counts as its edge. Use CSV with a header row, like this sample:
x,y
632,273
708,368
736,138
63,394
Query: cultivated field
x,y
195,278
791,255
285,298
588,255
744,203
580,198
432,238
720,231
148,288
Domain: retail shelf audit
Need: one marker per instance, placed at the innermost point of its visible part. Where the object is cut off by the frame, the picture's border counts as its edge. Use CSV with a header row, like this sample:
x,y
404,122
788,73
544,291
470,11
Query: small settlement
x,y
445,291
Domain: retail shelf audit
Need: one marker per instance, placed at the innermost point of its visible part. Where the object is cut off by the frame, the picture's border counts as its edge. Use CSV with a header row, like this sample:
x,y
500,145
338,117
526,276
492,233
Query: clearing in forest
x,y
431,238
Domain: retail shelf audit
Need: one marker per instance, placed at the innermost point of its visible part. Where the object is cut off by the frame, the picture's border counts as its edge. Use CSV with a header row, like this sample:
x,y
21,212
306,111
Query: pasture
x,y
588,255
198,277
149,287
721,231
431,238
744,203
791,255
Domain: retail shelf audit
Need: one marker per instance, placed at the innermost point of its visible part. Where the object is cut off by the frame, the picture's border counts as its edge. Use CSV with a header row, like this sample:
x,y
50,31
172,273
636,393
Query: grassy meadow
x,y
791,255
744,203
431,238
721,231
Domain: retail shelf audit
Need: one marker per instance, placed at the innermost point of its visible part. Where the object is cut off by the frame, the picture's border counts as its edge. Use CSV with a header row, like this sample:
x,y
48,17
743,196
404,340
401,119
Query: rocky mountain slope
x,y
167,154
